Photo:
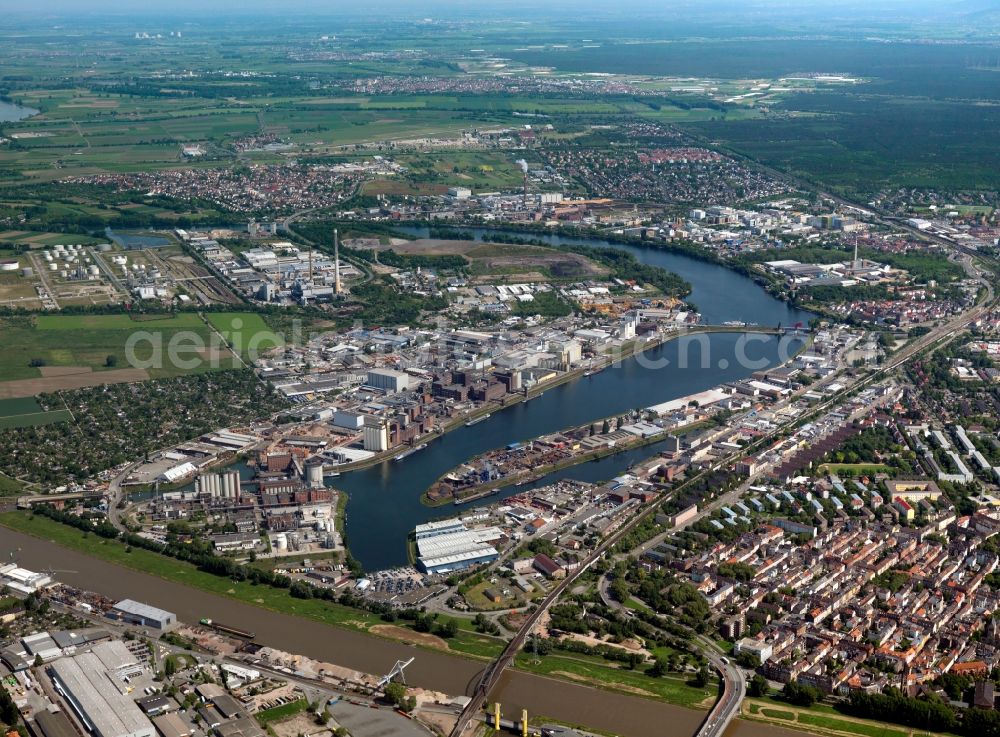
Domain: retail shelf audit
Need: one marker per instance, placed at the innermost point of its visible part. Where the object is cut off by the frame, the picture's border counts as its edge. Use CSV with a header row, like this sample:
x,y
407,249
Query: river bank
x,y
288,629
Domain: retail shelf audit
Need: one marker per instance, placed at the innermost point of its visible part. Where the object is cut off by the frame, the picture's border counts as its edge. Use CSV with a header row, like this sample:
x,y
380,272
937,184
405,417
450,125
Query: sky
x,y
752,7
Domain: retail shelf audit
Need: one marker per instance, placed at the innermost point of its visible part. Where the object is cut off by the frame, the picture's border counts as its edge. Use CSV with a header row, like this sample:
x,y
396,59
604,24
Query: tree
x,y
758,686
800,695
606,427
449,629
658,669
111,361
395,693
619,590
701,678
8,709
635,660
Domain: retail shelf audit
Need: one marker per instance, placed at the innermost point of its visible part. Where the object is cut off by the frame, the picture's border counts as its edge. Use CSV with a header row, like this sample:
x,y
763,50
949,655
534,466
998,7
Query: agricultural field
x,y
26,412
51,352
246,332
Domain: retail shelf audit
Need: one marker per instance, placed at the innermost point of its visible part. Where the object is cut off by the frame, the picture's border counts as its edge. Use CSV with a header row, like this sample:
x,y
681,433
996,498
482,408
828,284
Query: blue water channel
x,y
385,502
11,113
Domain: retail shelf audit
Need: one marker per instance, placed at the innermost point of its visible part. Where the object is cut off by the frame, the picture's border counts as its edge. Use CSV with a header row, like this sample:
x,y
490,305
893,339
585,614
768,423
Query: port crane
x,y
397,670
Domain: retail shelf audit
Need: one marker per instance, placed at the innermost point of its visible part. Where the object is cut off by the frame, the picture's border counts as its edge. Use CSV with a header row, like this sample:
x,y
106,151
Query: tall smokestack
x,y
336,263
310,265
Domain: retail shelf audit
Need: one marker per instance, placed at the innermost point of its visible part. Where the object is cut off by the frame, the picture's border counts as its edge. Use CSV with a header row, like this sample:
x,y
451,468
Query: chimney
x,y
336,263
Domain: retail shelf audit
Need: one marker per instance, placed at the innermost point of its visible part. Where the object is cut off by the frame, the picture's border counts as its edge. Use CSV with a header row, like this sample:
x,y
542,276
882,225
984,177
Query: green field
x,y
857,469
845,725
599,673
281,713
75,323
88,340
245,331
26,412
823,719
9,486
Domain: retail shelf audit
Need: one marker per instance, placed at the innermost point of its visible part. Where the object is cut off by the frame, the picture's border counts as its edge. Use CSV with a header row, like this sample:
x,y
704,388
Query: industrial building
x,y
53,724
144,615
376,434
22,580
225,484
450,546
388,380
96,685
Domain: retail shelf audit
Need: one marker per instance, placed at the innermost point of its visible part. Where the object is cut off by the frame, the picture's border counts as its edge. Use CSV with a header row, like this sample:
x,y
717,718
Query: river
x,y
385,502
613,713
384,506
11,113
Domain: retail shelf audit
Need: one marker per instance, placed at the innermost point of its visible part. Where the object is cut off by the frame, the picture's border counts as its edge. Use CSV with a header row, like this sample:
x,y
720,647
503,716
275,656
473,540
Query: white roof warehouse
x,y
92,684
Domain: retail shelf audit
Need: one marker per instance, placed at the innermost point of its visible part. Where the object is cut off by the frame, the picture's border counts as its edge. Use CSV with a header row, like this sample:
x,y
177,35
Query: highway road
x,y
734,687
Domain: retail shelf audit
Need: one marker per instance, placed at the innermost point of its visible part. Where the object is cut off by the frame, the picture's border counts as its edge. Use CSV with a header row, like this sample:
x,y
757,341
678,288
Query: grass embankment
x,y
9,486
598,673
467,642
822,719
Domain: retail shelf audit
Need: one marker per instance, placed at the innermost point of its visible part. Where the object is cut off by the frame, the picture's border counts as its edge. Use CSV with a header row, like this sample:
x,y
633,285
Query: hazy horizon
x,y
901,9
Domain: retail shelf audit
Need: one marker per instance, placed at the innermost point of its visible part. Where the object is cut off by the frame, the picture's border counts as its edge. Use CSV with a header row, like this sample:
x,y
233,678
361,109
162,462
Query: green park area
x,y
821,719
599,673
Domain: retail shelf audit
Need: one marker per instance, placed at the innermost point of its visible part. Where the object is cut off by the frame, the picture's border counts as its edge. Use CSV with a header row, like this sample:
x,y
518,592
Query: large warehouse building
x,y
143,615
392,382
94,683
445,547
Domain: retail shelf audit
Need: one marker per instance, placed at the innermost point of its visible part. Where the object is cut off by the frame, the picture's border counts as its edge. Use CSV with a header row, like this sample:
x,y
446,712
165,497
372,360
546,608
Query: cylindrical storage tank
x,y
48,256
53,267
314,474
104,247
28,272
281,542
9,265
93,270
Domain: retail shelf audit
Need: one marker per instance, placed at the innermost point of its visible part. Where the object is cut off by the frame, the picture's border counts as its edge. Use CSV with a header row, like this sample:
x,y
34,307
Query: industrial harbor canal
x,y
385,504
613,713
